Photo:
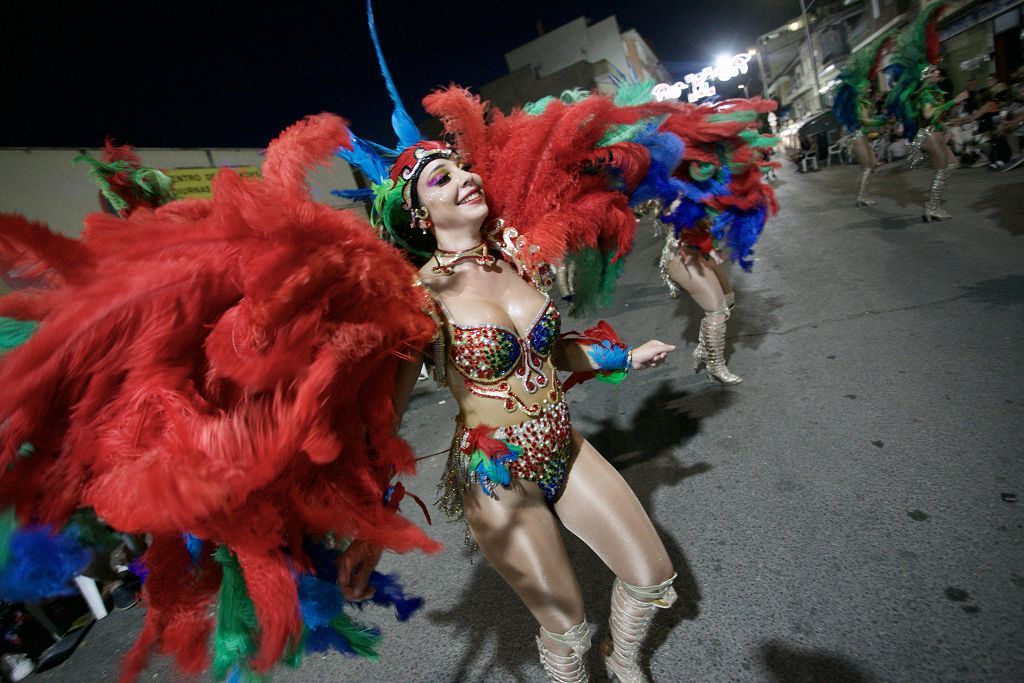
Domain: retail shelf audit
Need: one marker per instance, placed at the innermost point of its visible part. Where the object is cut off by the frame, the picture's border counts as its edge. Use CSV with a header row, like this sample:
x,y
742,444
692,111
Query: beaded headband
x,y
422,154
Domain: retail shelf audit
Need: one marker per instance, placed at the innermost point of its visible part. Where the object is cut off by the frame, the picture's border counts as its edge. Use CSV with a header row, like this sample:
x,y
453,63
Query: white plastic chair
x,y
838,149
809,158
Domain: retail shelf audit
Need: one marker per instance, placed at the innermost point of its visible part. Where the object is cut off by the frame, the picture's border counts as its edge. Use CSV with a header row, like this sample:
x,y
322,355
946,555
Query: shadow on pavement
x,y
787,664
1003,207
753,316
1006,290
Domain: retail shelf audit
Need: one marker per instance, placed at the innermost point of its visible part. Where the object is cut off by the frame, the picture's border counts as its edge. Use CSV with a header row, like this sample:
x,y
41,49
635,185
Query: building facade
x,y
580,54
982,37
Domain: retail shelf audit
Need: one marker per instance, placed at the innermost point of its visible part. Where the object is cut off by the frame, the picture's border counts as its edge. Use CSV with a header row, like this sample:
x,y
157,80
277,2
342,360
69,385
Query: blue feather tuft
x,y
355,195
367,157
388,591
324,561
41,565
320,601
138,567
194,545
325,639
407,132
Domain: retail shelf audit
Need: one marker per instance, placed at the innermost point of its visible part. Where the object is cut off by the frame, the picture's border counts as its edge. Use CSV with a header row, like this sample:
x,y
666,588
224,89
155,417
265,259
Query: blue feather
x,y
325,639
355,195
388,591
845,105
194,544
320,601
41,565
407,132
366,157
324,561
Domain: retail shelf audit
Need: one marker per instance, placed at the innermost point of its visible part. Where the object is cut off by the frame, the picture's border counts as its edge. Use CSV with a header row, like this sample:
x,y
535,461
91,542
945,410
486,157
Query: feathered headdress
x,y
857,79
392,192
917,49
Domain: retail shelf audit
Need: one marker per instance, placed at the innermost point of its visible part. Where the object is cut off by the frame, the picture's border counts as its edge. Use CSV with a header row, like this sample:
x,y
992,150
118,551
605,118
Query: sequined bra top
x,y
487,356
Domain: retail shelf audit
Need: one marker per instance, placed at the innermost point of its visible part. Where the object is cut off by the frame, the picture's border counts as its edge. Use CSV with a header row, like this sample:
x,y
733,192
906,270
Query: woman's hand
x,y
651,354
354,567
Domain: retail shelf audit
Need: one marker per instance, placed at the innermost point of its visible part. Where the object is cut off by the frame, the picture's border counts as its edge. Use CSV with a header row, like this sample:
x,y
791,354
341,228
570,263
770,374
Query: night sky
x,y
226,74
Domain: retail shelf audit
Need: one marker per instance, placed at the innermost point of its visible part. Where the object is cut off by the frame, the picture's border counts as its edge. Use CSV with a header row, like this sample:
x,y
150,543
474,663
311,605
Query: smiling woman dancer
x,y
502,350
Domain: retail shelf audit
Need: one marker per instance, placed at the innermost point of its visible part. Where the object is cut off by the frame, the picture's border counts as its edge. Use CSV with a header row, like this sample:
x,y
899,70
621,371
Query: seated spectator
x,y
1009,130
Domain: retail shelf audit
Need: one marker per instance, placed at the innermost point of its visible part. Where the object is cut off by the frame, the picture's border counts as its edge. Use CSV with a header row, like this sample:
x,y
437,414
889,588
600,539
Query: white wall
x,y
566,45
43,184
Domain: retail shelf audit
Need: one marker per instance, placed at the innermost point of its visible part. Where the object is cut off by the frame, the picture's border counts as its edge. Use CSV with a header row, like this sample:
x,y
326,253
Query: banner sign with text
x,y
194,183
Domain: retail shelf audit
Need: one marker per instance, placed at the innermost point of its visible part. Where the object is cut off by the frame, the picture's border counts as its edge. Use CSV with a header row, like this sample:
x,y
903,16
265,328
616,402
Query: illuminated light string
x,y
700,84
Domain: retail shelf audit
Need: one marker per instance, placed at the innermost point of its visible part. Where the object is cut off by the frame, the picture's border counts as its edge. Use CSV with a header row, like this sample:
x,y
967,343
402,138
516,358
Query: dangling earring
x,y
422,216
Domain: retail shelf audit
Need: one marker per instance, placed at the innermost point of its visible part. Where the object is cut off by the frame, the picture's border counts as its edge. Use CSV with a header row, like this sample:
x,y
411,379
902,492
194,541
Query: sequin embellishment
x,y
544,459
487,355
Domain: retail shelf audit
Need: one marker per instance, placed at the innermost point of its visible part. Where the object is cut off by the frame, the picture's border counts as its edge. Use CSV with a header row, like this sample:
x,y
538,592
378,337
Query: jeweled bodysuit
x,y
488,359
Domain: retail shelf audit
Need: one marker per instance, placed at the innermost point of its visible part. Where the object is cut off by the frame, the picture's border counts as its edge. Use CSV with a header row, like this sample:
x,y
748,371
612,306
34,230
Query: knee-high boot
x,y
570,668
933,206
710,349
862,193
633,610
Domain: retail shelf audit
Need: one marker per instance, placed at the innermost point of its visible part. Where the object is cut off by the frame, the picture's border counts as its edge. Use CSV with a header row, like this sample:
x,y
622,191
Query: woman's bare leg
x,y
598,506
699,278
866,158
699,281
723,281
943,161
519,536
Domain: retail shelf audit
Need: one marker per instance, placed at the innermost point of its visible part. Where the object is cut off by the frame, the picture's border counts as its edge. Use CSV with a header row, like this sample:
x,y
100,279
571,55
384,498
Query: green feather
x,y
593,281
745,115
8,525
14,333
387,213
613,377
234,638
362,640
537,108
632,94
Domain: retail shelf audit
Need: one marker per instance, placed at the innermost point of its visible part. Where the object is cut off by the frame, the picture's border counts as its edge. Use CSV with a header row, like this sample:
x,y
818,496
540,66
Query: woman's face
x,y
452,194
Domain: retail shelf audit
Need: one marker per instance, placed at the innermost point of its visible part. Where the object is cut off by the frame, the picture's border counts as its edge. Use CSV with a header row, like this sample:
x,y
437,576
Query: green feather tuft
x,y
8,525
745,116
593,280
234,638
537,108
633,94
613,377
364,641
389,216
14,333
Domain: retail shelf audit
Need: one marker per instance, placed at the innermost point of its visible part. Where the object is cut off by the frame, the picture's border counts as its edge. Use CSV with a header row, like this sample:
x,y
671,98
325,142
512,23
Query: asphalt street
x,y
848,513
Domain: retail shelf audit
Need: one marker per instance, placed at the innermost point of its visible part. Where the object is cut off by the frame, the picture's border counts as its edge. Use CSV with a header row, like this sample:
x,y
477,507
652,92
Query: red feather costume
x,y
223,368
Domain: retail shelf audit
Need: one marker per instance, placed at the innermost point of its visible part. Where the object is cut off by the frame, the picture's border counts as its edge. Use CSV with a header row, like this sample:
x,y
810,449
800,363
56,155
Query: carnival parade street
x,y
850,512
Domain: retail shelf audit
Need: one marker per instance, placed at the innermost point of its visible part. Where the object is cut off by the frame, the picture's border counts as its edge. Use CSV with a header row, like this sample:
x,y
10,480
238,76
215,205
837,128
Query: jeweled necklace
x,y
447,260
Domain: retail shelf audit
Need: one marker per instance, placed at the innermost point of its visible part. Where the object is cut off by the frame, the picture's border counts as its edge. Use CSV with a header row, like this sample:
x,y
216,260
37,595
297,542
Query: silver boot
x,y
633,609
570,668
862,194
710,351
933,210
